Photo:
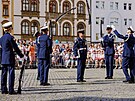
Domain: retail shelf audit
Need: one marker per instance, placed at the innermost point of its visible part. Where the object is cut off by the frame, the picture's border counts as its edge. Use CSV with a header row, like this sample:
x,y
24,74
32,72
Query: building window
x,y
114,21
5,10
129,6
111,5
53,6
130,22
25,27
66,29
125,6
97,36
103,20
80,26
116,5
81,8
125,21
97,20
97,4
34,27
25,5
34,6
53,28
102,4
66,6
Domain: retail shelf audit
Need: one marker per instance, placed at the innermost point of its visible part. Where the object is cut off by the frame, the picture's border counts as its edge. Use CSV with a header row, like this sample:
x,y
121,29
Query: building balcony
x,y
30,13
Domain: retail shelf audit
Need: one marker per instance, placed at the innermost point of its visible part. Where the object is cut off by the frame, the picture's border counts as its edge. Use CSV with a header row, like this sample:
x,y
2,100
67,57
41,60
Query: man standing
x,y
128,54
8,58
45,45
80,52
108,45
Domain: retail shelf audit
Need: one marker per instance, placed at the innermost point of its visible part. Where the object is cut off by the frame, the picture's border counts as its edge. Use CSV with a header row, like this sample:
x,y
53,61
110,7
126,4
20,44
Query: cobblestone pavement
x,y
65,88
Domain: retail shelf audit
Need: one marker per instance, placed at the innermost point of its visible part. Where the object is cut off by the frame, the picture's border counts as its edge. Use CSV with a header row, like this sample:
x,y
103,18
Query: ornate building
x,y
28,15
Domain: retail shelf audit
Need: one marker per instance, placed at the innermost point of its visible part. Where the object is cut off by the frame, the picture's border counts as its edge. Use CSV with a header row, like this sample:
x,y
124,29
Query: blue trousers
x,y
5,69
80,69
38,76
109,65
44,70
128,62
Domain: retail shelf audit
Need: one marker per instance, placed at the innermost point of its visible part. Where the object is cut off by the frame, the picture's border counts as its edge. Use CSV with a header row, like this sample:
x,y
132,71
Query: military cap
x,y
7,25
108,27
131,29
80,31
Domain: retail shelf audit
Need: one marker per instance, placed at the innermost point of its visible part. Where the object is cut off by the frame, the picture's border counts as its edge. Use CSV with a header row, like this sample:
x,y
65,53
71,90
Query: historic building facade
x,y
29,15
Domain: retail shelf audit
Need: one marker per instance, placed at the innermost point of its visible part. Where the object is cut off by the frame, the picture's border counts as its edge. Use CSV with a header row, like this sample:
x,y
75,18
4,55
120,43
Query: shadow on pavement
x,y
95,99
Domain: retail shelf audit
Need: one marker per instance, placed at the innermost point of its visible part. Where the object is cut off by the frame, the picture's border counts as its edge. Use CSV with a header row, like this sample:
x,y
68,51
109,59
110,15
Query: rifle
x,y
20,77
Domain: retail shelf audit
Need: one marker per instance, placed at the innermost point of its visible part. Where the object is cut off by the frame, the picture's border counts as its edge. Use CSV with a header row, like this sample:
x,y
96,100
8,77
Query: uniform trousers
x,y
5,70
128,62
109,65
80,69
44,69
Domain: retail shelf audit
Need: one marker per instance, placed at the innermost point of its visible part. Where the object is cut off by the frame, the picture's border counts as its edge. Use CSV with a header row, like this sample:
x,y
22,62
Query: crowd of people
x,y
62,55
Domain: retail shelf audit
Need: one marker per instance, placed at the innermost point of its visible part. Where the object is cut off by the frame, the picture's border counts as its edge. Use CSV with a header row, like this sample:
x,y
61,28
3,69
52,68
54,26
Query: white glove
x,y
101,39
113,27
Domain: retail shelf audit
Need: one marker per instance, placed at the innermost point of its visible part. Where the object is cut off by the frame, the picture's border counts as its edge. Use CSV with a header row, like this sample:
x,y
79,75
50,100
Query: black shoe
x,y
128,81
6,92
46,84
79,81
41,84
107,77
110,77
12,93
83,80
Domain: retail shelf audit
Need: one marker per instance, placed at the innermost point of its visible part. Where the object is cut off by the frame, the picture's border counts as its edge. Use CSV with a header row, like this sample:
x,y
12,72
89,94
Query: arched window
x,y
54,27
34,27
53,6
25,27
66,29
34,6
25,5
81,8
66,6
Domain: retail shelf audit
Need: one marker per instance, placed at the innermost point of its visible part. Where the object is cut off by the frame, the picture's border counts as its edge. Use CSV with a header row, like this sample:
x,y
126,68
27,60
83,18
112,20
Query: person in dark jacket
x,y
108,45
8,58
80,52
128,53
45,47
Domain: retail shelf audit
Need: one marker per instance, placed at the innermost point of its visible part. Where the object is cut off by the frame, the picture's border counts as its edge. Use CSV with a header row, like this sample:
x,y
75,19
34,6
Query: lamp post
x,y
101,31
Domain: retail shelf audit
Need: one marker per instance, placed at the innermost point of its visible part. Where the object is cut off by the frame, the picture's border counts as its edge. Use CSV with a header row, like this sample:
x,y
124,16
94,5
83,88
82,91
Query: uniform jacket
x,y
8,47
37,45
108,44
129,41
80,43
45,47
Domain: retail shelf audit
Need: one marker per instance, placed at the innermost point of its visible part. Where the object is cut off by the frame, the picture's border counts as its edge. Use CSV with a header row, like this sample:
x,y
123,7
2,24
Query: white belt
x,y
82,49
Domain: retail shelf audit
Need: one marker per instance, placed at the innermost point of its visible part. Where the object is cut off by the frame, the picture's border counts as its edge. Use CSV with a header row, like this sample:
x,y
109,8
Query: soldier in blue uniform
x,y
128,54
45,45
37,35
108,45
80,52
8,58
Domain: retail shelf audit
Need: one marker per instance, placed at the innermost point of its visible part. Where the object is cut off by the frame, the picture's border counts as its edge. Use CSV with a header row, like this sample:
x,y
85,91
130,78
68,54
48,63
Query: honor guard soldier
x,y
128,53
8,58
45,45
80,52
37,35
108,45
